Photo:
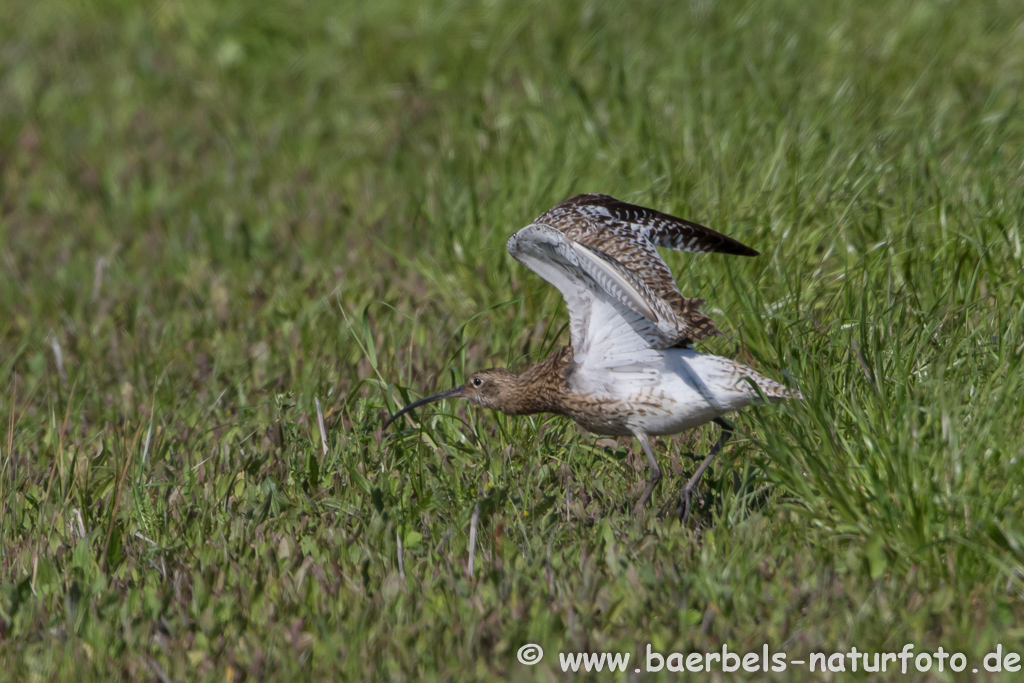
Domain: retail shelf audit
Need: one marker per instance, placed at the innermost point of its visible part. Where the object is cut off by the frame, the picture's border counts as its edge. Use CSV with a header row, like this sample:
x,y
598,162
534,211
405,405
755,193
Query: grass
x,y
213,215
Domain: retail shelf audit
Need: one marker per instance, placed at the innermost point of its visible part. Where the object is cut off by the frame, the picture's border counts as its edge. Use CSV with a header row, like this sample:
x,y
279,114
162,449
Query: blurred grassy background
x,y
212,214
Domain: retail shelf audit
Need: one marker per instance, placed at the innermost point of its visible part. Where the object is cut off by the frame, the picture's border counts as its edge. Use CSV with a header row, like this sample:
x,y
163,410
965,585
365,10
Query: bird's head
x,y
492,388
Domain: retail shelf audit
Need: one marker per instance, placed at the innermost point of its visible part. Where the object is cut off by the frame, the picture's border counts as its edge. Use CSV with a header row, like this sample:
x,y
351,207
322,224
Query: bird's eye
x,y
477,382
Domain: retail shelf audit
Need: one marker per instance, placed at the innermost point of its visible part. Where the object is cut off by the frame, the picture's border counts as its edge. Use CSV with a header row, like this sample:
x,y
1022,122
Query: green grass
x,y
220,212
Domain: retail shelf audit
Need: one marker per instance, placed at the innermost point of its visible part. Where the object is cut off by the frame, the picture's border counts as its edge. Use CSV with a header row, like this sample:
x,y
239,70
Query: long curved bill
x,y
457,392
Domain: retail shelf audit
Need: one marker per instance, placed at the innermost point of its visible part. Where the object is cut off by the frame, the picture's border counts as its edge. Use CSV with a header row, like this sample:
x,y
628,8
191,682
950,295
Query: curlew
x,y
631,368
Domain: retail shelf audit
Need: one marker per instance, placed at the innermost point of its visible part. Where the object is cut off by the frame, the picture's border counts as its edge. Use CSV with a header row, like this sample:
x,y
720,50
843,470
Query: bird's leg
x,y
653,472
683,509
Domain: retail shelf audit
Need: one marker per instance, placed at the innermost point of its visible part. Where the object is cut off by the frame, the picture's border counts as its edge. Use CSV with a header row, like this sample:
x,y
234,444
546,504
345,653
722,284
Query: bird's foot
x,y
641,504
684,504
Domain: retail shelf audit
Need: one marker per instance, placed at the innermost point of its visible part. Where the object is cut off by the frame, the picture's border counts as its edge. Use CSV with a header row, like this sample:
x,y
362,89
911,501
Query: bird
x,y
631,368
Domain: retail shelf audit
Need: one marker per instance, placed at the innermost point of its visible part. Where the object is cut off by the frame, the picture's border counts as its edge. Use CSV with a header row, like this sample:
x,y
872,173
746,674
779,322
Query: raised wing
x,y
630,234
613,314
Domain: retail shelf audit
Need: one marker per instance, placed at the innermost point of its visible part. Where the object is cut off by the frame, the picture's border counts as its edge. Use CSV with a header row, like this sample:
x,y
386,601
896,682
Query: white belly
x,y
676,405
673,391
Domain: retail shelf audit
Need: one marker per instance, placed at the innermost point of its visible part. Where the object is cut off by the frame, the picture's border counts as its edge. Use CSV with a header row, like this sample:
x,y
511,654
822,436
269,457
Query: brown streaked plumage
x,y
630,369
631,233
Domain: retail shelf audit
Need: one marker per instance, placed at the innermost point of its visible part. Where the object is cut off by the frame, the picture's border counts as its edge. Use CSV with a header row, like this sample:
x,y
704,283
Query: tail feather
x,y
737,377
773,390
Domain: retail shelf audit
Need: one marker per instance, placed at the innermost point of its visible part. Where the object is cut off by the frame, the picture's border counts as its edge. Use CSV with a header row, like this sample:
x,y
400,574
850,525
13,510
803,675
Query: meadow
x,y
217,219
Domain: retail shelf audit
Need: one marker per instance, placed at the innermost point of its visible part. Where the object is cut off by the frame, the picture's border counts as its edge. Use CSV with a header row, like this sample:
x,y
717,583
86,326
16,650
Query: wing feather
x,y
612,312
631,233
